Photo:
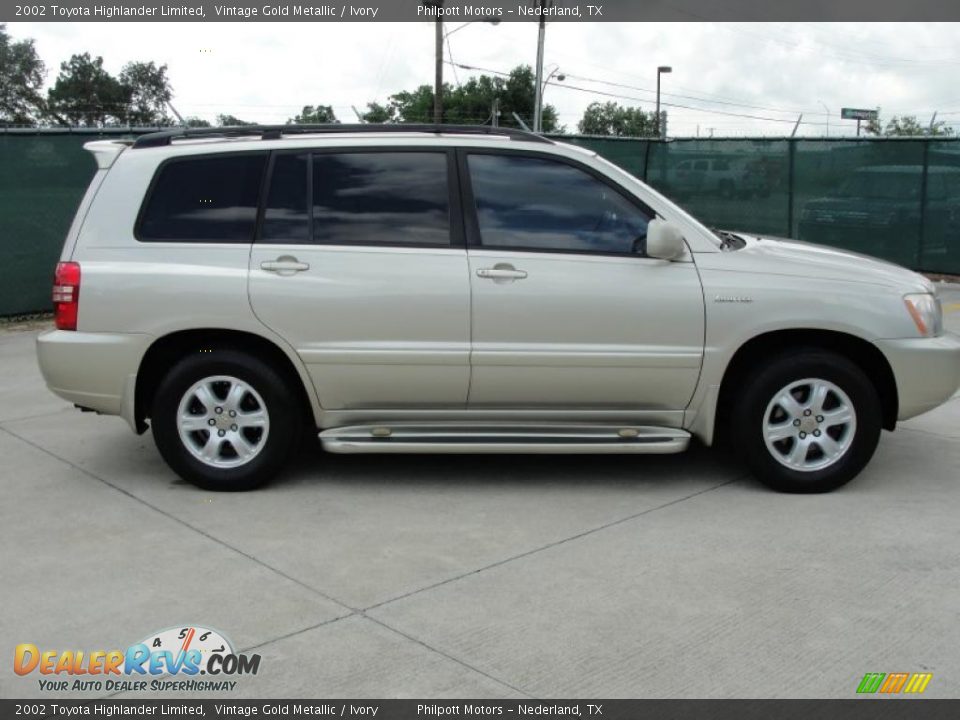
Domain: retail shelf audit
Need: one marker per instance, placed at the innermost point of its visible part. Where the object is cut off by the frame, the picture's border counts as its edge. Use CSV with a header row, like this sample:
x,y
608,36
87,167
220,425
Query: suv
x,y
445,289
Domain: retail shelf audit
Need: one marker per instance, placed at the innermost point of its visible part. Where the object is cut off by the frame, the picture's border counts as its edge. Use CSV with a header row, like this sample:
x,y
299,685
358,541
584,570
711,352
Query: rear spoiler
x,y
105,152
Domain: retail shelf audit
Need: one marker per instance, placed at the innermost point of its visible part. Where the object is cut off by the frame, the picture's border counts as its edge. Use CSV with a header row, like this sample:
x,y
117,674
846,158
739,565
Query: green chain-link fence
x,y
897,199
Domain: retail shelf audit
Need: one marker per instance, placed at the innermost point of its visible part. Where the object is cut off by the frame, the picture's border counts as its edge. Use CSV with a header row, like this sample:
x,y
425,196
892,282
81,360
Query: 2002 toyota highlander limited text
x,y
427,289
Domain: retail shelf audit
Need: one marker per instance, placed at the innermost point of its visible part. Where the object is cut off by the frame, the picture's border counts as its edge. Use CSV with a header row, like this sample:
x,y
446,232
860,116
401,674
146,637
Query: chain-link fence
x,y
897,199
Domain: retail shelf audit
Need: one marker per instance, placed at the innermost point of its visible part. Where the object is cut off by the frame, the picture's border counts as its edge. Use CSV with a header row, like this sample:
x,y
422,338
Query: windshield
x,y
881,186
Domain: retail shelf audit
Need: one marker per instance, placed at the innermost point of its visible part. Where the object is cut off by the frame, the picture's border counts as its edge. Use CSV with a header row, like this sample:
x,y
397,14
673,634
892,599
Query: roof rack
x,y
275,132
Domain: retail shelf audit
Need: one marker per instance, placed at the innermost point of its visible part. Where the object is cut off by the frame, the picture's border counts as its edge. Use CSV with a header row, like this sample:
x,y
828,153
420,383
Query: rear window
x,y
204,199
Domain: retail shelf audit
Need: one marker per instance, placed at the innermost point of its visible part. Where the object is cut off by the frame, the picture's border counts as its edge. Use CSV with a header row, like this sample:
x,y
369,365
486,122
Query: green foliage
x,y
611,118
470,103
377,113
147,92
314,115
85,94
906,126
231,121
196,122
21,79
909,126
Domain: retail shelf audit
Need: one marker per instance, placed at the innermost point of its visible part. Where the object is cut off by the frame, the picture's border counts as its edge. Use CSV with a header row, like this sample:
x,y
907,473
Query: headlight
x,y
926,312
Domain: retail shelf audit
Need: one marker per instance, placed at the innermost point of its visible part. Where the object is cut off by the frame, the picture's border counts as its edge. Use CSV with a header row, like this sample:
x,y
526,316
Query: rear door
x,y
358,265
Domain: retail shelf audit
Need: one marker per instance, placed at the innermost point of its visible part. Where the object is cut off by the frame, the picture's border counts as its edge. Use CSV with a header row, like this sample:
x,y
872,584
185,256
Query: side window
x,y
381,198
285,218
204,199
527,203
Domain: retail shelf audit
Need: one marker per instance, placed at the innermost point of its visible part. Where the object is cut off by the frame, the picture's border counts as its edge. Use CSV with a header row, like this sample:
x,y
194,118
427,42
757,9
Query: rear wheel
x,y
808,422
225,420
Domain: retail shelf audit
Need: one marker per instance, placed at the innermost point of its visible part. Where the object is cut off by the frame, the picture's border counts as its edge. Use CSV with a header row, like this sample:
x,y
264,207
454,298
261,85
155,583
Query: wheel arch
x,y
867,356
168,349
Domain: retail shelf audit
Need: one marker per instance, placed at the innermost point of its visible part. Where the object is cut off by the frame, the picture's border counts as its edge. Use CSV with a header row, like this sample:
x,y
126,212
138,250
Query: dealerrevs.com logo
x,y
165,661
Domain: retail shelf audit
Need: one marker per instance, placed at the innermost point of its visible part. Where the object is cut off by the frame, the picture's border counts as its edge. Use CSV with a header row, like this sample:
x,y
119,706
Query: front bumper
x,y
93,370
927,371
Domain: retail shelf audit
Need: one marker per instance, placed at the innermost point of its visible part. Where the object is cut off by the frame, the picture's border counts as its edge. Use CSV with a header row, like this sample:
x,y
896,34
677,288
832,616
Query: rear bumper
x,y
94,370
927,371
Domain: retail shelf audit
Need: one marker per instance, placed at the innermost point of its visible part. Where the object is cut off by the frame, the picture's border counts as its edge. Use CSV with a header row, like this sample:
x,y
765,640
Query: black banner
x,y
859,709
466,11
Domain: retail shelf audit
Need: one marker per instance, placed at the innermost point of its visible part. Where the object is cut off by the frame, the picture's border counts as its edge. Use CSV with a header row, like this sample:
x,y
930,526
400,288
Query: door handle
x,y
502,271
284,265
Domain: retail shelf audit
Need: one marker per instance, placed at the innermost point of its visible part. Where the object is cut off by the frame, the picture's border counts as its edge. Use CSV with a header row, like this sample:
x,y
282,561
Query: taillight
x,y
66,295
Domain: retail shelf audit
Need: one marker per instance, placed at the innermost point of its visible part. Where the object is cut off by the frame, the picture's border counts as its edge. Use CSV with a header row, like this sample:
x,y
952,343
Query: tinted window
x,y
540,204
381,198
209,199
285,215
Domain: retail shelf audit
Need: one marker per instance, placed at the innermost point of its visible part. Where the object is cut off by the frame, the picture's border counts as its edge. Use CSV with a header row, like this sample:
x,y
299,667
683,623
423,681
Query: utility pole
x,y
797,125
933,121
438,79
538,90
495,113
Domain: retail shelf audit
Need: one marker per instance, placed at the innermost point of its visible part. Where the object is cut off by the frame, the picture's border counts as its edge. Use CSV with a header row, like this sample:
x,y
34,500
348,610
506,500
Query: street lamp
x,y
660,71
555,73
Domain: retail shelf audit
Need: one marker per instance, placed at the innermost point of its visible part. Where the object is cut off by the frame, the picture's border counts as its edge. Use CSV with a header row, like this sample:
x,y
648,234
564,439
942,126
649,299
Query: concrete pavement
x,y
406,576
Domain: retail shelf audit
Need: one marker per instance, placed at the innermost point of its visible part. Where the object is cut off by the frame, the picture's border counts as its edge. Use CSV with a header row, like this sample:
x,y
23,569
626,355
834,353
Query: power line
x,y
636,99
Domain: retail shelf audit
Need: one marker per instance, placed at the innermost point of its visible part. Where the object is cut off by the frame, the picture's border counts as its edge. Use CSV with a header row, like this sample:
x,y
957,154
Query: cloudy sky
x,y
731,78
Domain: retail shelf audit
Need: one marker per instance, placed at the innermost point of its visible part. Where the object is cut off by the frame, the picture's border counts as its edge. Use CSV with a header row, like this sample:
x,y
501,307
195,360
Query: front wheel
x,y
808,422
225,420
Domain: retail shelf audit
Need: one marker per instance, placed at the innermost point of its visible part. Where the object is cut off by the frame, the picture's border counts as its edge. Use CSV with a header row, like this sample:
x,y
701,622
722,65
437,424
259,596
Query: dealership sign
x,y
857,114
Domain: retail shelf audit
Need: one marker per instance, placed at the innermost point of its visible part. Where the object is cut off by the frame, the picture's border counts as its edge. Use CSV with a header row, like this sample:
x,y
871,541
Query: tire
x,y
255,414
821,439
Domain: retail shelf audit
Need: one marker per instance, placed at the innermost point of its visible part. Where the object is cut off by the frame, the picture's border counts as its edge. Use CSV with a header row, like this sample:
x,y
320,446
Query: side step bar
x,y
499,438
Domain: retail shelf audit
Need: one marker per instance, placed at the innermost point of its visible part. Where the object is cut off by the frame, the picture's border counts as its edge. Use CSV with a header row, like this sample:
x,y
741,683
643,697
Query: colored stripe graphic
x,y
871,682
893,683
918,682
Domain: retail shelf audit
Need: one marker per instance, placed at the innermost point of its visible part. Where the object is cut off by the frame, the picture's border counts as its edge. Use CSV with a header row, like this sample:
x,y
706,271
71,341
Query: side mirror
x,y
664,240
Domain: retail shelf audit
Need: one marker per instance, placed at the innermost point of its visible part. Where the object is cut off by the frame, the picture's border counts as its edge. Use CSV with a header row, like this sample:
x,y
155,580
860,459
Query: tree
x,y
908,126
195,122
21,79
315,115
86,94
613,119
470,103
231,121
873,126
905,126
147,92
377,113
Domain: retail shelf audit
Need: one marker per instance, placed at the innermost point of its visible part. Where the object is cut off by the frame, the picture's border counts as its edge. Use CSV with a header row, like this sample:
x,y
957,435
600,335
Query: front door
x,y
568,312
358,266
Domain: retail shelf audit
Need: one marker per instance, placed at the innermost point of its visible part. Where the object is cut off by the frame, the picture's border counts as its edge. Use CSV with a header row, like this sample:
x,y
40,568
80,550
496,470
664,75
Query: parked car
x,y
723,177
444,289
877,210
